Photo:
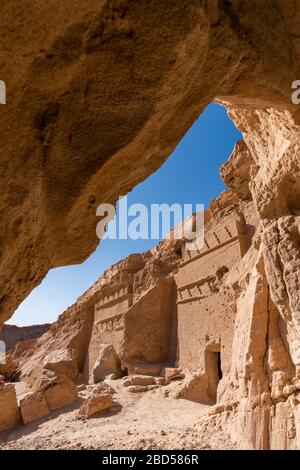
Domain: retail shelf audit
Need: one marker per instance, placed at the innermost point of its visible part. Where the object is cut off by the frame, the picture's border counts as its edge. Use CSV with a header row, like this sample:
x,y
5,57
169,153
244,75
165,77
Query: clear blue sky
x,y
190,175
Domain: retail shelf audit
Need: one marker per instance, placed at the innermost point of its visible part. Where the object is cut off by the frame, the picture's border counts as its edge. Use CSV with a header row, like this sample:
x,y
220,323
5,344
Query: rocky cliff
x,y
86,91
142,72
12,334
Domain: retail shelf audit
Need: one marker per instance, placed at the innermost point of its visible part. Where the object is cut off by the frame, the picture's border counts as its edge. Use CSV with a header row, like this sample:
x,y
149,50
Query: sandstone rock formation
x,y
230,314
108,363
33,406
62,362
100,399
236,172
70,333
142,72
205,315
11,334
9,411
58,391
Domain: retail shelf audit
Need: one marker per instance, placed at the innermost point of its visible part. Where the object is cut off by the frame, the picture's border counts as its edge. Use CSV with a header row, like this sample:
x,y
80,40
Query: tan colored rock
x,y
62,362
145,369
33,406
139,380
160,381
141,388
71,332
172,373
100,399
9,367
107,363
195,388
228,315
9,411
59,391
156,74
12,334
220,39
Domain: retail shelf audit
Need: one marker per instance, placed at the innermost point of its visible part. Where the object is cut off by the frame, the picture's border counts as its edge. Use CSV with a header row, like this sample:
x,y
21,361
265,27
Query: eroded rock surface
x,y
33,406
12,334
202,325
9,411
62,362
100,399
59,391
228,316
108,363
98,99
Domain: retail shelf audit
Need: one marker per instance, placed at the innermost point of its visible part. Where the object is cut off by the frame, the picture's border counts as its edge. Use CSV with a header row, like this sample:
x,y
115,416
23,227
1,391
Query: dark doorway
x,y
214,373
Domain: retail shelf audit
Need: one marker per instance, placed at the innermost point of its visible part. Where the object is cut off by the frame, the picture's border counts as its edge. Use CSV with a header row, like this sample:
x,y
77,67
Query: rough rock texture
x,y
207,317
58,391
263,386
33,406
8,367
9,411
125,290
142,72
100,399
139,380
71,332
11,334
96,318
62,362
236,172
108,363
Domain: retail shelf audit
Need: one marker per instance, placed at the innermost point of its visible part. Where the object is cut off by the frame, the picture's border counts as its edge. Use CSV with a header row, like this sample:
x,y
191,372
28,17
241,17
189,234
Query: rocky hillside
x,y
223,322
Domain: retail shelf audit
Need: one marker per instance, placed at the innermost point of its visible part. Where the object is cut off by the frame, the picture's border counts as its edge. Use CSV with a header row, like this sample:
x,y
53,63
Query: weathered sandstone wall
x,y
264,385
12,334
205,316
98,95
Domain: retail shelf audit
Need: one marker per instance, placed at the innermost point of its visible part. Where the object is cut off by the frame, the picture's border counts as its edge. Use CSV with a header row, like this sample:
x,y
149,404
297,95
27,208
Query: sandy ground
x,y
151,420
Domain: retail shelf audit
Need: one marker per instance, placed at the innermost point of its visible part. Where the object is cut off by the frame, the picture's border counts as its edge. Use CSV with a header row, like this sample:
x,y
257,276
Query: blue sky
x,y
190,175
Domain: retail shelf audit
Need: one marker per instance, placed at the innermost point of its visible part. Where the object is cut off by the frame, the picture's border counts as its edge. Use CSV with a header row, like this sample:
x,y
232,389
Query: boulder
x,y
33,406
62,362
141,388
59,391
9,411
107,363
100,399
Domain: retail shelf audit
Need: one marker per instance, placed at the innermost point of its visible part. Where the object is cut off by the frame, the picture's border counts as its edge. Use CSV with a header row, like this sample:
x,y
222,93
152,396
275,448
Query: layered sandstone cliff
x,y
142,72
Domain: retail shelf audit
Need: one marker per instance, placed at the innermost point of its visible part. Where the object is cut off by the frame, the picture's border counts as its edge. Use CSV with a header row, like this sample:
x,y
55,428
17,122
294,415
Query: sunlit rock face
x,y
12,334
98,95
264,382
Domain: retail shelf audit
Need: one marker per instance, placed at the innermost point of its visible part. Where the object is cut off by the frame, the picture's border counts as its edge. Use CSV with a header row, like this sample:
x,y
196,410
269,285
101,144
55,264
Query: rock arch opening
x,y
190,175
